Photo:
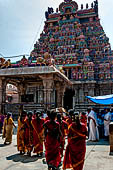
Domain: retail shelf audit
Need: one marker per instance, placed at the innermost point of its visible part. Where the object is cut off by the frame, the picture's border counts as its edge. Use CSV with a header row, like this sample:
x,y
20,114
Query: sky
x,y
22,21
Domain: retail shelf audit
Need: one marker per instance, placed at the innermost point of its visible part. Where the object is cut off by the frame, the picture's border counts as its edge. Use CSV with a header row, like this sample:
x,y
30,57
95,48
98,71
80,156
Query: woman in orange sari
x,y
8,129
52,142
76,148
38,131
28,133
21,133
70,117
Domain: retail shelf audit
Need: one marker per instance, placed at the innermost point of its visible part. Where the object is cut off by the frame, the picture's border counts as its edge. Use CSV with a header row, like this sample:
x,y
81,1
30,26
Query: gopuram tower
x,y
75,42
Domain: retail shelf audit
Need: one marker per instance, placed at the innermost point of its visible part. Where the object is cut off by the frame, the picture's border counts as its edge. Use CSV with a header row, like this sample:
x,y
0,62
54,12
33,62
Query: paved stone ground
x,y
97,158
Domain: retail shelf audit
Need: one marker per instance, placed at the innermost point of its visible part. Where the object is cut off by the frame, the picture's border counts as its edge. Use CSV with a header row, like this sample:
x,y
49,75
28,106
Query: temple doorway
x,y
68,99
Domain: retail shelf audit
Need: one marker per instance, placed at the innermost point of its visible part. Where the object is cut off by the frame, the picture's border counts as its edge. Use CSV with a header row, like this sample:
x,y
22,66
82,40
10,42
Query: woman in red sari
x,y
83,118
38,130
52,142
76,148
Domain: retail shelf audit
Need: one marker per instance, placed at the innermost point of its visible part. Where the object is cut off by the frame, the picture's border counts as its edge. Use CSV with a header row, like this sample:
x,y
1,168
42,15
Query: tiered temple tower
x,y
74,40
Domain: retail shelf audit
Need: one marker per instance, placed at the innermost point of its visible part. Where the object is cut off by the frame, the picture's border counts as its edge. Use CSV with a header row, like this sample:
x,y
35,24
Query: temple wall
x,y
90,89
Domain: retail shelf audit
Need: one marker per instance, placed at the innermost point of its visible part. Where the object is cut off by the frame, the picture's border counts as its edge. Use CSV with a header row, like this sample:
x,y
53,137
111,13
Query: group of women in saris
x,y
54,137
30,133
33,131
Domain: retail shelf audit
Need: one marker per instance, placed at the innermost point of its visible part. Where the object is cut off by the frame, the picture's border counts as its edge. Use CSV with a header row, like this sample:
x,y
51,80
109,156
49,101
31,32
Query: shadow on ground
x,y
22,158
2,145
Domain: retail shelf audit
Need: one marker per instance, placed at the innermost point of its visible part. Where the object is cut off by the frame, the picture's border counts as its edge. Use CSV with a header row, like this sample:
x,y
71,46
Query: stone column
x,y
4,90
74,101
19,96
21,91
91,91
45,97
3,94
101,89
48,87
111,137
68,73
60,94
76,97
59,98
81,96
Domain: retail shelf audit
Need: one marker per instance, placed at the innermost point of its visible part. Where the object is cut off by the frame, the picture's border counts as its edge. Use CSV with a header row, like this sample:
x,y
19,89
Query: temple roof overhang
x,y
41,71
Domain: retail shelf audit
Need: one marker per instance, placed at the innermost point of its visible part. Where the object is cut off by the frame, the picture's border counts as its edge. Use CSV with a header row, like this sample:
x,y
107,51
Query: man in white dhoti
x,y
93,126
107,119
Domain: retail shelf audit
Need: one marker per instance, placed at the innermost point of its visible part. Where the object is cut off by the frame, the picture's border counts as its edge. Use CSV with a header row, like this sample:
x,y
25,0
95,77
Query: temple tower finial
x,y
96,6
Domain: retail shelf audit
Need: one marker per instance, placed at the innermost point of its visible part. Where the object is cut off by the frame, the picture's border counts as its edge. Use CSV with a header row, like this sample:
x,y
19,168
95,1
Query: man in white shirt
x,y
93,126
107,119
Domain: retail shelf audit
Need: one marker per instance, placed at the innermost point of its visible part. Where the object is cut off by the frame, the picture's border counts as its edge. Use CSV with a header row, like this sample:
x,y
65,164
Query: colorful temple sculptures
x,y
76,41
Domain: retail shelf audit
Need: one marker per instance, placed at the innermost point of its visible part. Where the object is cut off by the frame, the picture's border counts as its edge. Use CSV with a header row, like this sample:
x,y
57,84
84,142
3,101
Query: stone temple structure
x,y
78,45
73,41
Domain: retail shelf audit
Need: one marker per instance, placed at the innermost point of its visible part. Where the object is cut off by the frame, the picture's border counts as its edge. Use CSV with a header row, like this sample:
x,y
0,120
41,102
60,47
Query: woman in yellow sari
x,y
8,129
21,133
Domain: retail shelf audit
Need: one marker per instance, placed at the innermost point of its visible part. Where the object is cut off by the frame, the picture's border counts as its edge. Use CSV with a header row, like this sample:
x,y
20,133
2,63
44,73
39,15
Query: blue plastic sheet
x,y
105,100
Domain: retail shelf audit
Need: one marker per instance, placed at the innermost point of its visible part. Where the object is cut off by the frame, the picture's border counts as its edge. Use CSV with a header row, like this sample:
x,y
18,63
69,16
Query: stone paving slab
x,y
97,157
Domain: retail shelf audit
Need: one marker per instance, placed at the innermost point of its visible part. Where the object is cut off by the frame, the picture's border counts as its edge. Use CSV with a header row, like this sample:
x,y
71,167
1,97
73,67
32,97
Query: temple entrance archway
x,y
11,93
68,99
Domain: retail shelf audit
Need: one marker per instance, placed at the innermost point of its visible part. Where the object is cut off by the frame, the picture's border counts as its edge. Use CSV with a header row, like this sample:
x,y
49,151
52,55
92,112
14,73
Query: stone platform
x,y
97,157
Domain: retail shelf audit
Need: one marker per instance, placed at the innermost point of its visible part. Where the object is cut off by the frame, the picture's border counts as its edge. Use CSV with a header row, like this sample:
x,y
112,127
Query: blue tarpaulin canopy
x,y
105,100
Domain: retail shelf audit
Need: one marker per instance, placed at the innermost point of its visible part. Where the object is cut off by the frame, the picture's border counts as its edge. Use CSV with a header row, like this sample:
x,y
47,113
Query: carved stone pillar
x,y
2,94
91,91
60,94
81,96
4,90
45,97
48,87
101,89
74,101
68,73
21,91
59,98
19,95
76,96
